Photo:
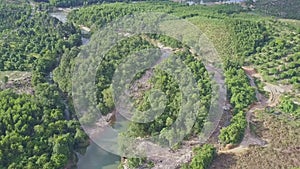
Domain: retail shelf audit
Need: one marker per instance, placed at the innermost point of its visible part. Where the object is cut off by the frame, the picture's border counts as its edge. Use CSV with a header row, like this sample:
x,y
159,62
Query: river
x,y
94,157
97,158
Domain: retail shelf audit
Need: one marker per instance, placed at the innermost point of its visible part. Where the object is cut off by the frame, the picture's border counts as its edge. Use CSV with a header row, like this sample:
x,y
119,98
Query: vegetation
x,y
284,9
241,96
74,3
12,15
234,133
245,39
98,15
36,43
283,143
203,157
108,66
63,72
248,35
287,105
278,60
34,132
164,82
137,162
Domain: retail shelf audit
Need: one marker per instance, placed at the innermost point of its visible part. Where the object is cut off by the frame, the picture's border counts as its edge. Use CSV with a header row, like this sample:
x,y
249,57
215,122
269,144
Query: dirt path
x,y
275,90
275,93
249,137
261,104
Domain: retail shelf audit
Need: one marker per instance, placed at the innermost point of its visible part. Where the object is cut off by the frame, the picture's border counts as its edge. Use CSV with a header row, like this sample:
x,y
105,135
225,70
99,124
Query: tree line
x,y
202,158
34,130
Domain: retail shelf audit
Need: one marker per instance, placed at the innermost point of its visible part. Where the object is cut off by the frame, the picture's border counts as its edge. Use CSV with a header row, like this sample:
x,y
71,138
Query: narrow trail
x,y
262,102
275,90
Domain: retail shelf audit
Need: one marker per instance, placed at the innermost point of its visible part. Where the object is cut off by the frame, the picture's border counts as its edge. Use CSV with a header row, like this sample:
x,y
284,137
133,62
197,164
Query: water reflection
x,y
94,157
97,158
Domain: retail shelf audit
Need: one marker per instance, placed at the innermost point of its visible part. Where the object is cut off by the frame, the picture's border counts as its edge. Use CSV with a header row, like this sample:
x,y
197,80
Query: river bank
x,y
90,159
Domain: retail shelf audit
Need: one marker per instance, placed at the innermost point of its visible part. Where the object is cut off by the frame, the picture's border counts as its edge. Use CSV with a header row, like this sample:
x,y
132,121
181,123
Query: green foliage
x,y
33,133
74,3
135,162
247,36
63,73
241,96
240,92
284,9
288,106
202,158
12,15
108,66
235,131
166,41
5,79
98,15
164,82
278,60
36,42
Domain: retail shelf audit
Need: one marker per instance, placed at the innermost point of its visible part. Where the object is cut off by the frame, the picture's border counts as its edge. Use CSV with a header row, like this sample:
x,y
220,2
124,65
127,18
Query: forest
x,y
38,40
41,129
164,82
35,132
284,9
75,3
241,96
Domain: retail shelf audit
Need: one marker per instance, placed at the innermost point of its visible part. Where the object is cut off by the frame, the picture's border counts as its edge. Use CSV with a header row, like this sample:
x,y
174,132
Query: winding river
x,y
94,157
97,158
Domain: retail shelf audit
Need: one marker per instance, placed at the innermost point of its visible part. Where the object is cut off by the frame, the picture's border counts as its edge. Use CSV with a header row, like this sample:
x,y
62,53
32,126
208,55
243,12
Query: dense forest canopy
x,y
247,38
41,131
33,42
12,15
35,132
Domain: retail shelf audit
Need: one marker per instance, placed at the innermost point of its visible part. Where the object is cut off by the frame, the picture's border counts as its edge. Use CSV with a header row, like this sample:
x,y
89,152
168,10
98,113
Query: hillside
x,y
226,74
